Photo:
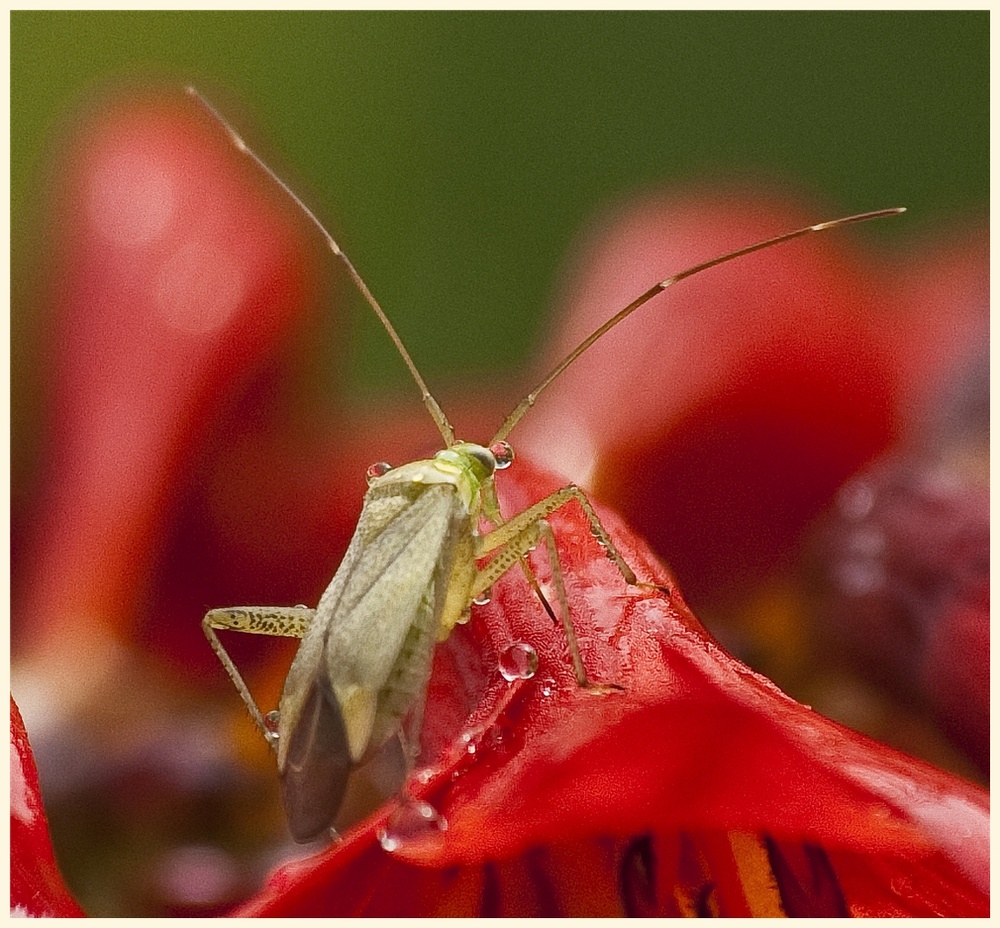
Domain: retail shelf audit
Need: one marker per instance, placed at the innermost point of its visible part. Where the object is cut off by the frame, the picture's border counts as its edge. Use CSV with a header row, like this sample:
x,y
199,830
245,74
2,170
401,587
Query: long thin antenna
x,y
530,399
437,414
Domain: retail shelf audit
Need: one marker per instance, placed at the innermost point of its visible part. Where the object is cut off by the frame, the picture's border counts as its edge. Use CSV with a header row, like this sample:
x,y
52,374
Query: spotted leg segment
x,y
279,621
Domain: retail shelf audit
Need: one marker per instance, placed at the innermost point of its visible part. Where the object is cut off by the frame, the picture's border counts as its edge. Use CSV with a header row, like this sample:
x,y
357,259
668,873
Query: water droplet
x,y
471,747
503,453
377,470
271,721
519,662
412,821
547,686
483,598
301,606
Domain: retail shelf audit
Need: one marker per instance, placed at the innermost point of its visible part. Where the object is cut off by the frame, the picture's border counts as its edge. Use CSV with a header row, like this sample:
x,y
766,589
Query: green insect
x,y
410,574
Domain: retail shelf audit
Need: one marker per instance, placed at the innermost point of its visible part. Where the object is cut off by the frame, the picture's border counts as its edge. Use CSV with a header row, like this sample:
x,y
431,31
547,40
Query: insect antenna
x,y
529,401
437,414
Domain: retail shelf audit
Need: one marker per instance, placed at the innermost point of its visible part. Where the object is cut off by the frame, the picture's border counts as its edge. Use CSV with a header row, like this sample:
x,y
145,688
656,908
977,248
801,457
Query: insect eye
x,y
484,456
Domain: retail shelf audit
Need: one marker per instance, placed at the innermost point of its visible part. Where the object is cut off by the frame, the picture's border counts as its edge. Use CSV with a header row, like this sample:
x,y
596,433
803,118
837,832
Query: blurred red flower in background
x,y
186,468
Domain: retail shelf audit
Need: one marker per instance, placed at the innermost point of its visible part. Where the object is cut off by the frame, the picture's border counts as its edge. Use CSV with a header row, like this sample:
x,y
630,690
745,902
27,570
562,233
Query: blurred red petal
x,y
956,675
942,296
753,389
37,889
177,269
697,745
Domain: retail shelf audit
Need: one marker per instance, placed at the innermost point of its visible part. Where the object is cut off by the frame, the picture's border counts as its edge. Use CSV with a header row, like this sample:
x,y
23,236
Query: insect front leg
x,y
507,531
545,531
282,621
516,537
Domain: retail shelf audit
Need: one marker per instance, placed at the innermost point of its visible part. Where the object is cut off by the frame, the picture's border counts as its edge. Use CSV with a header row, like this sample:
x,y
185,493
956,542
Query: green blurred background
x,y
457,154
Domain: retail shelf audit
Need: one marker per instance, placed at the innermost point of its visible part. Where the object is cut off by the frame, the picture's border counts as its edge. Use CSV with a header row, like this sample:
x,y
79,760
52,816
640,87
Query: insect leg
x,y
514,550
506,532
545,532
288,622
564,614
516,537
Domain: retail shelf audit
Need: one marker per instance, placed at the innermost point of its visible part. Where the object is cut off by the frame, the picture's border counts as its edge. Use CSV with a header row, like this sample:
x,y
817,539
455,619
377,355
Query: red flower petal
x,y
37,889
178,269
904,597
697,745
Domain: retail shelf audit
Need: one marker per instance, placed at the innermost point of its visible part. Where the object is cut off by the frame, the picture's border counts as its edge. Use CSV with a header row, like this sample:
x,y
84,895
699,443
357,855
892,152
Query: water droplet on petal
x,y
377,470
503,453
412,821
483,598
547,686
271,721
519,662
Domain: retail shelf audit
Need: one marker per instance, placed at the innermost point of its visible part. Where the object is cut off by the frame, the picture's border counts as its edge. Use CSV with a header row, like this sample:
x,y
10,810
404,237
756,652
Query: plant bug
x,y
410,574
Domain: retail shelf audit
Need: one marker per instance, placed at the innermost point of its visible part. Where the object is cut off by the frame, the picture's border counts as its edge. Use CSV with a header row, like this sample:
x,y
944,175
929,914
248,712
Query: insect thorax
x,y
464,465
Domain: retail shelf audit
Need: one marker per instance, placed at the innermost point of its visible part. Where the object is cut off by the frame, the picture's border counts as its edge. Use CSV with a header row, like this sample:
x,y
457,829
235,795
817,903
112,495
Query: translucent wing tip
x,y
314,774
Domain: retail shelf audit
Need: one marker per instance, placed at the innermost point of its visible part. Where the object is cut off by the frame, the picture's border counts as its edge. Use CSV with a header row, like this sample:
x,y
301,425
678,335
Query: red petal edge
x,y
37,889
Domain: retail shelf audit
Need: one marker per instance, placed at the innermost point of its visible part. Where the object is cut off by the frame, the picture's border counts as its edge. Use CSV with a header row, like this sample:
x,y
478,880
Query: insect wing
x,y
314,775
366,657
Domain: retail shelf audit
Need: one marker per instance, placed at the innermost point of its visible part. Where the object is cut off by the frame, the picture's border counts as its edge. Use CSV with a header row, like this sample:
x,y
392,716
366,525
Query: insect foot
x,y
654,587
601,689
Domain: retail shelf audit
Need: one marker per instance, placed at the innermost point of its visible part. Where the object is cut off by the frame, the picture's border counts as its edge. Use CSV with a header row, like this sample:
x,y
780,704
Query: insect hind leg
x,y
281,621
